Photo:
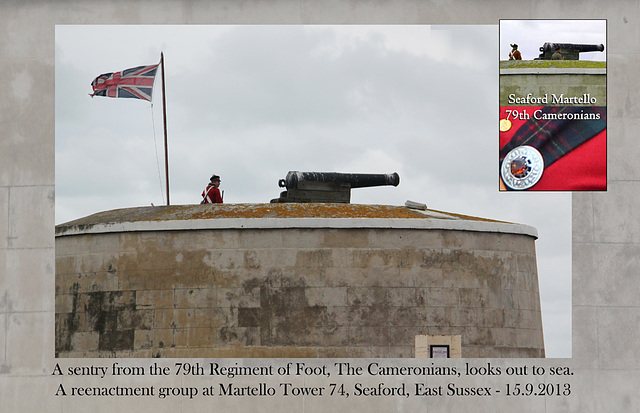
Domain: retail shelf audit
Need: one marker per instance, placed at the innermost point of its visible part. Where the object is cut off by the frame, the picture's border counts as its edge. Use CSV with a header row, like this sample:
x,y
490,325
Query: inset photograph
x,y
553,105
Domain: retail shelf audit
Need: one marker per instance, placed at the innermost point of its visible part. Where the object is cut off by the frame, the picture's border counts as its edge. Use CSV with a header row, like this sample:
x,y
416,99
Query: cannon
x,y
328,186
569,51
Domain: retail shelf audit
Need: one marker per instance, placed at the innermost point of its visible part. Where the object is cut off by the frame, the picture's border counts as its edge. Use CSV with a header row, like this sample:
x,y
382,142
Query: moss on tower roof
x,y
550,64
275,210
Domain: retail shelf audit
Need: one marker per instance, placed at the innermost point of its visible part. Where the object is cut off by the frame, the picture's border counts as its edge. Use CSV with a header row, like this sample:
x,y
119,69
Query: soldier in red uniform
x,y
211,194
515,53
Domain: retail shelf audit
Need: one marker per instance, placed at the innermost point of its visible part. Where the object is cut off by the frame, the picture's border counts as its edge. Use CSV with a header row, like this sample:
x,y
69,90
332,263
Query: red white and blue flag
x,y
134,83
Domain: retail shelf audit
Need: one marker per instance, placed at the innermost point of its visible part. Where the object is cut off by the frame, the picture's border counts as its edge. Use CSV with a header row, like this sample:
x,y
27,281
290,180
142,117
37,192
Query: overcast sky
x,y
251,103
530,35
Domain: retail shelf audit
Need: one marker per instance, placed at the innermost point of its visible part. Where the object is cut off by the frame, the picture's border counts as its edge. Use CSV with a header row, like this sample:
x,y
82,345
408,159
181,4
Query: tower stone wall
x,y
301,287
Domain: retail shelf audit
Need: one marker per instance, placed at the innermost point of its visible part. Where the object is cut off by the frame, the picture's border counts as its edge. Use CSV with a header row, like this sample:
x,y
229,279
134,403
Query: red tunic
x,y
212,195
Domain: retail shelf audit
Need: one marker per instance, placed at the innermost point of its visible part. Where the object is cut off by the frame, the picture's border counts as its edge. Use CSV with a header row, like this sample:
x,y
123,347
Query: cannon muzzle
x,y
329,186
569,51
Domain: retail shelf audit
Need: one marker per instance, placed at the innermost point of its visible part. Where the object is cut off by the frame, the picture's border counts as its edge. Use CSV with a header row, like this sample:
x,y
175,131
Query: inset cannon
x,y
328,186
568,51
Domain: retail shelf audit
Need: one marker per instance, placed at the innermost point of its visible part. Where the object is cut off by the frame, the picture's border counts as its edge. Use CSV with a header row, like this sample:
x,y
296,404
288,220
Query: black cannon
x,y
329,186
567,51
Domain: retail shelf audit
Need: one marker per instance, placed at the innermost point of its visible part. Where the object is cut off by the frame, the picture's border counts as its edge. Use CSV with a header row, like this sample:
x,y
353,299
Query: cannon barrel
x,y
355,180
571,51
571,46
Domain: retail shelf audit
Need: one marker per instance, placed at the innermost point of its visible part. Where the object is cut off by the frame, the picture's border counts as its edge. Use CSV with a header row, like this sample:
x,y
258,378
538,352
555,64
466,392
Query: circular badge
x,y
505,125
522,167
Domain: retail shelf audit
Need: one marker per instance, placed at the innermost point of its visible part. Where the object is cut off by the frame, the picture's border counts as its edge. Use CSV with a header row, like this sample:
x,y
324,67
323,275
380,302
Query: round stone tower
x,y
295,280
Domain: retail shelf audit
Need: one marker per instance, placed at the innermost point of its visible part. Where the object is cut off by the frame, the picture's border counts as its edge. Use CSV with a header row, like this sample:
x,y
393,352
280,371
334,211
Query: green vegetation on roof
x,y
574,64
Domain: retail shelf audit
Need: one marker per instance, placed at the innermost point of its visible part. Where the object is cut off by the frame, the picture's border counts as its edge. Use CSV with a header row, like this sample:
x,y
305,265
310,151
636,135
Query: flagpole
x,y
164,116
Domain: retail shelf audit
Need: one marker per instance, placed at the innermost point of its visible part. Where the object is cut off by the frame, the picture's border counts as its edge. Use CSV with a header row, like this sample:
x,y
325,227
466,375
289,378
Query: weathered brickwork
x,y
295,293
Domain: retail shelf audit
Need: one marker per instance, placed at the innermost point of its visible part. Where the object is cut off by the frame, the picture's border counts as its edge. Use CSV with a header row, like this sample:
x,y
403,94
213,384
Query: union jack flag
x,y
134,83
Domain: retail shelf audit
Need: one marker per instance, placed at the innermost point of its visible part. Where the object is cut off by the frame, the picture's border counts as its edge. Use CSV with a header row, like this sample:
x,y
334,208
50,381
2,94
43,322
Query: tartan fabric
x,y
556,138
